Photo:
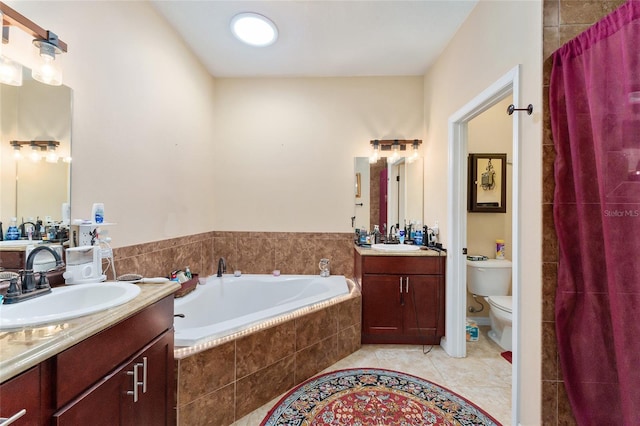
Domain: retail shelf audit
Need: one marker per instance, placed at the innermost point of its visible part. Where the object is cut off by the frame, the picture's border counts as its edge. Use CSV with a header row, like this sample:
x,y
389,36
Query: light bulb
x,y
17,154
52,155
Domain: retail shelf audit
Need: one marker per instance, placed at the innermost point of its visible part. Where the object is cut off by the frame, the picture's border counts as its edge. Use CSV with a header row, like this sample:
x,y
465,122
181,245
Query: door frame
x,y
454,343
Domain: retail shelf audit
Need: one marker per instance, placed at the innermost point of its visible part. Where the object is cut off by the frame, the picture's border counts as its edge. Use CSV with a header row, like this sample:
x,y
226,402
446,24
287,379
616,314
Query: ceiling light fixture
x,y
254,29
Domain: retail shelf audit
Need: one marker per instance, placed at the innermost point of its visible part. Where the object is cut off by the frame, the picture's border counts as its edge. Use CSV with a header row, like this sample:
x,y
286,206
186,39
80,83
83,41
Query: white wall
x,y
143,118
497,36
284,157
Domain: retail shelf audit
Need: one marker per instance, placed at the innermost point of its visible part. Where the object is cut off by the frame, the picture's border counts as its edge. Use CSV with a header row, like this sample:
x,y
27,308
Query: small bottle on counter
x,y
12,230
187,272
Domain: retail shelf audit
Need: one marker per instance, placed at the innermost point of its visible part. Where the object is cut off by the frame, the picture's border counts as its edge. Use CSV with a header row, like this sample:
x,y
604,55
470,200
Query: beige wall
x,y
497,36
285,147
143,118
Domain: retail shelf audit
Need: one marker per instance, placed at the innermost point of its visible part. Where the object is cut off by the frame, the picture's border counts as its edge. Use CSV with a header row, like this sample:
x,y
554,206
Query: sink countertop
x,y
366,251
21,350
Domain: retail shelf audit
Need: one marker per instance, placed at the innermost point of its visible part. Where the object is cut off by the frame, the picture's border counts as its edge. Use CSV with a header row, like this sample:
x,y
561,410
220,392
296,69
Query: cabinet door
x,y
424,305
111,402
22,392
381,308
155,401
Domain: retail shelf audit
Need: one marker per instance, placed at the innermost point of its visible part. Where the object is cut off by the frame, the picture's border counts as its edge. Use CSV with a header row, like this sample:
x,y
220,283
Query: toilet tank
x,y
489,277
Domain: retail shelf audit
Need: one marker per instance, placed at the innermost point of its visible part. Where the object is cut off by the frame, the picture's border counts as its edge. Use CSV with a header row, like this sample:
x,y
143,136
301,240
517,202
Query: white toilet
x,y
492,278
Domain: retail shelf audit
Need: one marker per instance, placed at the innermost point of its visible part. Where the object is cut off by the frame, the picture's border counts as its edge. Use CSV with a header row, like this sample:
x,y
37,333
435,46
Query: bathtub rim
x,y
181,352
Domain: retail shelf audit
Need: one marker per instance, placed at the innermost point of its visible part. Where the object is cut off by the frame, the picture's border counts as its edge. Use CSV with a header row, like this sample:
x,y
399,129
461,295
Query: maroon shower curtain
x,y
594,101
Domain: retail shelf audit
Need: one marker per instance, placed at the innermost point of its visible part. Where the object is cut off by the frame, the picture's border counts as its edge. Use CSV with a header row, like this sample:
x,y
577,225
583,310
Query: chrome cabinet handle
x,y
136,382
407,286
7,421
144,374
400,284
134,373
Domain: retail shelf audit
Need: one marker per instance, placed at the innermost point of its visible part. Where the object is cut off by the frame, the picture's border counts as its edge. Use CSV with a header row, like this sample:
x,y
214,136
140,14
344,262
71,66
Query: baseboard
x,y
481,320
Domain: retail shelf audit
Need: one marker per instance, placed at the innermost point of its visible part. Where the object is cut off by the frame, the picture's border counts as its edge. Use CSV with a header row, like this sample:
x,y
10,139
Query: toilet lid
x,y
501,302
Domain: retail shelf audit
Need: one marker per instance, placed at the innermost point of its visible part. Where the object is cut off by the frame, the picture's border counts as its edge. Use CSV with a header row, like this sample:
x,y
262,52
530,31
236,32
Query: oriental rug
x,y
367,397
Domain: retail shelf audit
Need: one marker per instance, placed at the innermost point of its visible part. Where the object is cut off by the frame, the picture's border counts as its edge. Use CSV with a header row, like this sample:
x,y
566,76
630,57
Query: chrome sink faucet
x,y
222,267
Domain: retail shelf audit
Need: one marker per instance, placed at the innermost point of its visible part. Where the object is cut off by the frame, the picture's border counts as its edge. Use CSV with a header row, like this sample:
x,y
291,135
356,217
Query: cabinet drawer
x,y
403,265
80,366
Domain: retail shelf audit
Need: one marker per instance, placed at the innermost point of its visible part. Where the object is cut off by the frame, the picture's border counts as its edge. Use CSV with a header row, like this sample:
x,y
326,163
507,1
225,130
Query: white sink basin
x,y
65,303
395,247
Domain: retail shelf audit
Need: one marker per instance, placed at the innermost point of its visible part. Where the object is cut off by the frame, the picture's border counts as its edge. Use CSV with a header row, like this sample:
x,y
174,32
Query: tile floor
x,y
483,377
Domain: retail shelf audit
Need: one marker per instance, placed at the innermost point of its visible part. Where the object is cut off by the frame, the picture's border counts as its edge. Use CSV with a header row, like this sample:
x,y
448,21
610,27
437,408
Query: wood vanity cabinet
x,y
403,298
123,375
92,382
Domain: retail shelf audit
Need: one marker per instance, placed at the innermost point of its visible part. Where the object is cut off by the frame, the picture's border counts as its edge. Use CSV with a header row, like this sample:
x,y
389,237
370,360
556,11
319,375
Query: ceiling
x,y
320,38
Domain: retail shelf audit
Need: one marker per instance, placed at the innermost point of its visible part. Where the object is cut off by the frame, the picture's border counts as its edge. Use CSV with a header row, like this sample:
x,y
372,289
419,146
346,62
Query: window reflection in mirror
x,y
34,111
389,193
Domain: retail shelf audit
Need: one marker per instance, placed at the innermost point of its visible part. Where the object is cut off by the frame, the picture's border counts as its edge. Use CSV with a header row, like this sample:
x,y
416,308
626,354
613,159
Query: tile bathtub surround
x,y
228,381
249,252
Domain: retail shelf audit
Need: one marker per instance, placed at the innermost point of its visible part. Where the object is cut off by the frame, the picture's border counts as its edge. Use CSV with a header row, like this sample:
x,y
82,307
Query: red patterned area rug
x,y
368,397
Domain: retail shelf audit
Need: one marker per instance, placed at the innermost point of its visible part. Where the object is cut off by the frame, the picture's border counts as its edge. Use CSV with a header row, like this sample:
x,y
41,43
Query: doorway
x,y
454,343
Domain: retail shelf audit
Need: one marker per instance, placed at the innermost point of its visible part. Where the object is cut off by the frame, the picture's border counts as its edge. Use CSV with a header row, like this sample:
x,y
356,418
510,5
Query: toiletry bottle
x,y
187,272
419,238
97,212
12,230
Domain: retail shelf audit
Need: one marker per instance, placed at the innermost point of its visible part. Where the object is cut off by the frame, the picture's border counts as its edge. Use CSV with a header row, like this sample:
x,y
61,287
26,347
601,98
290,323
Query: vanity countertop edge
x,y
367,251
23,349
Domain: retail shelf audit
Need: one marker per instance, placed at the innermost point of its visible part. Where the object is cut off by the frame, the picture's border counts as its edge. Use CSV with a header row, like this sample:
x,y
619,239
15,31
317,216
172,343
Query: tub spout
x,y
222,267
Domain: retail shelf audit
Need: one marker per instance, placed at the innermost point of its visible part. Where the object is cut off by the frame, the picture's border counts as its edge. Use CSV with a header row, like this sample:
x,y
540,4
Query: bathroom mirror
x,y
34,111
389,193
487,183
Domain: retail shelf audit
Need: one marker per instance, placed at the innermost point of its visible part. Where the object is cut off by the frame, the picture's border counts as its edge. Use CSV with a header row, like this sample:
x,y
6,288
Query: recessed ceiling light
x,y
254,29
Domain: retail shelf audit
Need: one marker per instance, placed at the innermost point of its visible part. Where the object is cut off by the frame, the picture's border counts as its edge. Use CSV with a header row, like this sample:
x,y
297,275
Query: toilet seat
x,y
502,303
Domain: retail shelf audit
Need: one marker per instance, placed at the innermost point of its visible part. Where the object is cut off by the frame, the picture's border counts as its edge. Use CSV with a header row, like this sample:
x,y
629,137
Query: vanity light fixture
x,y
254,29
39,149
396,146
47,43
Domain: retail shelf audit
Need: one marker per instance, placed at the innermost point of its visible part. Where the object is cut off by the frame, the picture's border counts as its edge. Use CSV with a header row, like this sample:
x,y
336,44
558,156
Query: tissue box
x,y
472,331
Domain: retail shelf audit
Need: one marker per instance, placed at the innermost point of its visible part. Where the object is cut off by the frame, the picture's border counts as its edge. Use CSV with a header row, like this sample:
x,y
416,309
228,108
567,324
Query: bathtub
x,y
227,305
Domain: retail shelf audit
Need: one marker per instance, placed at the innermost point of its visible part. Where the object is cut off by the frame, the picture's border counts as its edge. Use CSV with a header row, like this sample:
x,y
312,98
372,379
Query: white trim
x,y
454,343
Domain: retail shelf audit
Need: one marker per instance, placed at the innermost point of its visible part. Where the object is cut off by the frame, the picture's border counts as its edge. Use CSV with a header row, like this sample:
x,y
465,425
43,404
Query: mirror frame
x,y
473,205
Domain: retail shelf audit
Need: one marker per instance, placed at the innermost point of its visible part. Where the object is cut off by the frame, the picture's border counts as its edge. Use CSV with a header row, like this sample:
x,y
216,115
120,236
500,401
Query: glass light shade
x,y
10,72
375,155
48,70
414,153
395,152
254,29
17,154
35,153
52,155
